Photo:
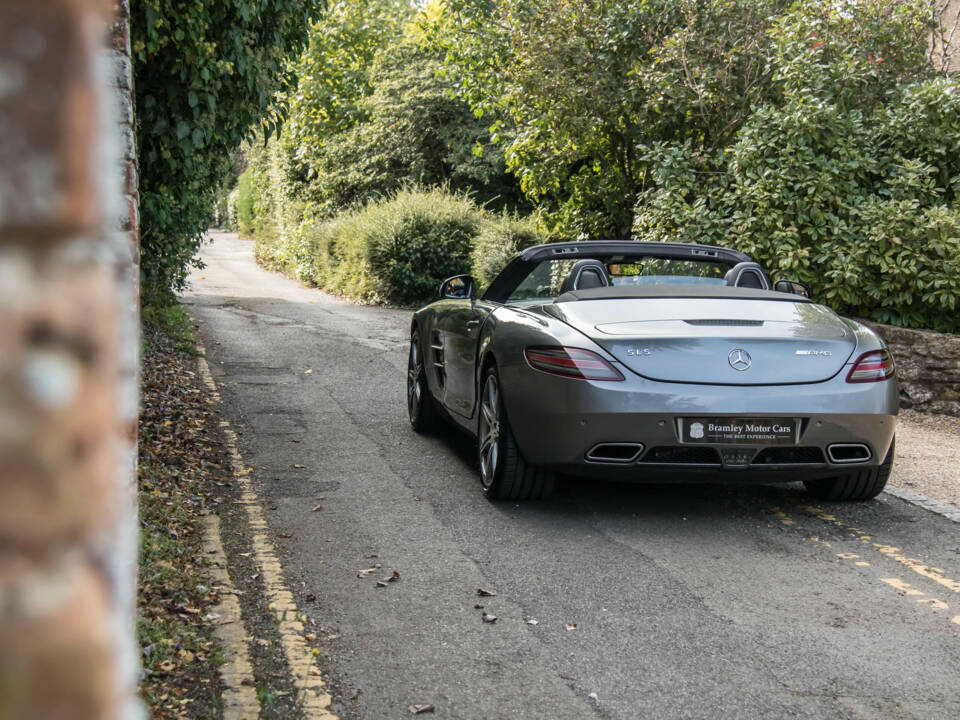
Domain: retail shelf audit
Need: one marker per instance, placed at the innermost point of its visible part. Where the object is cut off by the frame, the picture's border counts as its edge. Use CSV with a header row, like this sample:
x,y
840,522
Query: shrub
x,y
233,219
245,204
394,250
407,245
862,206
501,238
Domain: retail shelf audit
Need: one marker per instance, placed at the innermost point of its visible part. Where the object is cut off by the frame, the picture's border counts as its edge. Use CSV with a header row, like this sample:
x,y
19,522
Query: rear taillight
x,y
872,366
571,362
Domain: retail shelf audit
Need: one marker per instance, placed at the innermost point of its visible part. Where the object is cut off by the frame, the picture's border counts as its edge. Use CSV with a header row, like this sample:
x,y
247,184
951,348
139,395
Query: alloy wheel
x,y
489,434
414,379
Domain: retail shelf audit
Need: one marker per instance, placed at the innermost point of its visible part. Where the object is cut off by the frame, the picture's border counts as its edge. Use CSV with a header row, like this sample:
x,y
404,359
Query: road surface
x,y
613,601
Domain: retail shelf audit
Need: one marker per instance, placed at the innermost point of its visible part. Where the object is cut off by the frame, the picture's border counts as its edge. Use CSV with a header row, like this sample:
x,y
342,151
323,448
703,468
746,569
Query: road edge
x,y
315,701
922,501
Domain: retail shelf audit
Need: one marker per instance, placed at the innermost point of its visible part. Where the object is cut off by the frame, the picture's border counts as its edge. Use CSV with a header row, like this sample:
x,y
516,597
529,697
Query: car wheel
x,y
420,407
504,473
857,485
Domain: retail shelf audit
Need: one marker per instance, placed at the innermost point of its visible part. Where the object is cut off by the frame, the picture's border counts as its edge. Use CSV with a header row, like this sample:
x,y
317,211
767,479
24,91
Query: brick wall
x,y
68,344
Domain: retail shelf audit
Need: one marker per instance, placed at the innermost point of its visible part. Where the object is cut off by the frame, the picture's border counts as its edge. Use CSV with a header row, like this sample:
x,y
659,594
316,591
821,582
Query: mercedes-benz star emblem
x,y
739,360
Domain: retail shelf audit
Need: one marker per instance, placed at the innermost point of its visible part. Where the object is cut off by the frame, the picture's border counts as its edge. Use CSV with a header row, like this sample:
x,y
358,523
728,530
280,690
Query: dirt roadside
x,y
928,456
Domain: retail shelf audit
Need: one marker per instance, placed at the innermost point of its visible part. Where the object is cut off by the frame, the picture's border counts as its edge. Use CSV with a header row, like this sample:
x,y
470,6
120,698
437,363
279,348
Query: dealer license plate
x,y
740,431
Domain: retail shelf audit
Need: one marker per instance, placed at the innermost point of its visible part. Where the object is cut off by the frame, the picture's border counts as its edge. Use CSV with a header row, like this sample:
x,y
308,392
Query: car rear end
x,y
687,388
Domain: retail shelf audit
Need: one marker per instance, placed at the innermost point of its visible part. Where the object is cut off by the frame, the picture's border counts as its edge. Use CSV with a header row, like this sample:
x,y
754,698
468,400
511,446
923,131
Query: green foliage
x,y
501,237
845,181
205,72
814,135
333,73
245,203
371,114
399,249
412,131
174,323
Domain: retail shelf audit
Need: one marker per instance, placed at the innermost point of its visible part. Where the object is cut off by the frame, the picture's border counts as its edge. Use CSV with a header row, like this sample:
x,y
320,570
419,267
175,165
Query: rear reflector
x,y
571,362
872,366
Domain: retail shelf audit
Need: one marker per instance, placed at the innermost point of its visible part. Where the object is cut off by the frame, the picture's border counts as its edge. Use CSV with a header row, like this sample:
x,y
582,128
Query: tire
x,y
504,474
420,408
857,485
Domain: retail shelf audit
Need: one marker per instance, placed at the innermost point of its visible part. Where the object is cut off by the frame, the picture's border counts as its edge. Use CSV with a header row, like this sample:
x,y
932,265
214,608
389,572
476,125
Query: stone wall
x,y
928,368
68,361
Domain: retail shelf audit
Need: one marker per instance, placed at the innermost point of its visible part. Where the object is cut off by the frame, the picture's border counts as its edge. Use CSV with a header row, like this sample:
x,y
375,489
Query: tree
x,y
413,131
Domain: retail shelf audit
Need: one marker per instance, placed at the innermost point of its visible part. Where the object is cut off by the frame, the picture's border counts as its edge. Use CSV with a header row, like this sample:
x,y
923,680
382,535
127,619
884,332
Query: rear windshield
x,y
545,280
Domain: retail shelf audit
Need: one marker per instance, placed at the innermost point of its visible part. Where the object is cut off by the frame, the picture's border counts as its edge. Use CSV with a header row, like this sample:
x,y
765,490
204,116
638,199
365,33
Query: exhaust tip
x,y
615,453
842,453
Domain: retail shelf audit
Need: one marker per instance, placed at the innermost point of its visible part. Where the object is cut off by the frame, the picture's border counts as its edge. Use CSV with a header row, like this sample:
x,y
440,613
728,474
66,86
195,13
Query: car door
x,y
459,331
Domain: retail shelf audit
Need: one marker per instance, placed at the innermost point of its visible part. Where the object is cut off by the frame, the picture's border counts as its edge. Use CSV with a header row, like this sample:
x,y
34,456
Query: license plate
x,y
740,431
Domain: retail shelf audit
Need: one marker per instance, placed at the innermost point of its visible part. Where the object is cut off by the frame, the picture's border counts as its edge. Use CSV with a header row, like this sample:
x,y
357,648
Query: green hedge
x,y
864,208
399,249
500,238
244,204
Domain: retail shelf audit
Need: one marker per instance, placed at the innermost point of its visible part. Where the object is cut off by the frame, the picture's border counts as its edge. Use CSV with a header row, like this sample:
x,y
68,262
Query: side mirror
x,y
458,287
793,287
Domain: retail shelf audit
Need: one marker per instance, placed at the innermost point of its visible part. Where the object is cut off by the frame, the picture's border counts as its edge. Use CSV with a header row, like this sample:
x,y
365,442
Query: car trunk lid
x,y
716,340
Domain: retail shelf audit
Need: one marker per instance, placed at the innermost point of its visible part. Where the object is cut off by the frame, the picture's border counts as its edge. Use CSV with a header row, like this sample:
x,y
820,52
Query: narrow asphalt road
x,y
613,601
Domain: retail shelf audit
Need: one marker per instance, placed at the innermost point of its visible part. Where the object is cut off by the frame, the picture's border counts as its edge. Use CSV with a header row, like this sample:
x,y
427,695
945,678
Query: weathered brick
x,y
57,419
49,179
56,656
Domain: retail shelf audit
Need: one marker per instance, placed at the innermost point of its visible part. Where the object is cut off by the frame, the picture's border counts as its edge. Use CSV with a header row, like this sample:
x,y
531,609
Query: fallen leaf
x,y
394,577
488,618
571,626
318,507
167,666
485,593
420,709
310,637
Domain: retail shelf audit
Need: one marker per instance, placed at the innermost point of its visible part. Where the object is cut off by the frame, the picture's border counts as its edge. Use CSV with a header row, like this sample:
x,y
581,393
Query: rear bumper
x,y
557,421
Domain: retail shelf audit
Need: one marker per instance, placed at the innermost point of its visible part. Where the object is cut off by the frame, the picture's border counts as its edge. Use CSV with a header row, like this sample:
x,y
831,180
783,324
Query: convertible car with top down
x,y
653,362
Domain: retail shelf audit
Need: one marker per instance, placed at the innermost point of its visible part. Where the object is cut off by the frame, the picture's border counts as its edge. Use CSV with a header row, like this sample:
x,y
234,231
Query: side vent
x,y
436,345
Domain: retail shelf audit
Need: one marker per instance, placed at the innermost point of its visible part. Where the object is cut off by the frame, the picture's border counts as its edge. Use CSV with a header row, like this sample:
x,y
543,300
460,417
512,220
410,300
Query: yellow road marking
x,y
240,700
314,700
934,603
901,586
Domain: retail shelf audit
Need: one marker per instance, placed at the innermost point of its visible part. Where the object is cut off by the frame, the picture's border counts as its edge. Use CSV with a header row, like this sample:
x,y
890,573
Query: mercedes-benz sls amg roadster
x,y
653,361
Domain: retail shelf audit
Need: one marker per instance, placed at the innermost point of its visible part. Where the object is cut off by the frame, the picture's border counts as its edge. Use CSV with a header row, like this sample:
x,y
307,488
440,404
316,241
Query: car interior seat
x,y
586,274
747,275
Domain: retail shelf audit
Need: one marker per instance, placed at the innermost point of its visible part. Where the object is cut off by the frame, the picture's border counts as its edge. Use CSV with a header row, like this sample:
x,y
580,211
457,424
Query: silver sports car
x,y
653,361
